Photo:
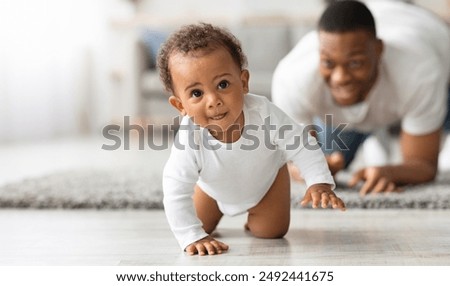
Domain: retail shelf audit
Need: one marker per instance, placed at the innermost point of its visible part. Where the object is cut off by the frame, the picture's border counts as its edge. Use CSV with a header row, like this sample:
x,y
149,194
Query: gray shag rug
x,y
138,189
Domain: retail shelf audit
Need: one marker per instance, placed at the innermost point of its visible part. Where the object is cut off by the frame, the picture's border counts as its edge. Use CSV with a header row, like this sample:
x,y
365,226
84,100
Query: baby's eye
x,y
223,84
196,93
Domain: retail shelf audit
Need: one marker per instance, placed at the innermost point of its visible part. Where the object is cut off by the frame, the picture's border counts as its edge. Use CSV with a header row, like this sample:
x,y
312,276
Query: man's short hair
x,y
347,16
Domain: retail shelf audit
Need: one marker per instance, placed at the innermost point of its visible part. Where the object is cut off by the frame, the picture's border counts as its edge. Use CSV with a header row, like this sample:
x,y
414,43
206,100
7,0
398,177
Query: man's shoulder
x,y
406,25
411,65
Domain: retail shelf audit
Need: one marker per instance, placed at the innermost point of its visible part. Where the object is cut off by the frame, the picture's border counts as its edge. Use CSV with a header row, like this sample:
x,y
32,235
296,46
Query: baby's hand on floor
x,y
323,195
207,245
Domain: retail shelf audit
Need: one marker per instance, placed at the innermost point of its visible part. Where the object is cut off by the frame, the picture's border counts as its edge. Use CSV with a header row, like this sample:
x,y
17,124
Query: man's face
x,y
349,64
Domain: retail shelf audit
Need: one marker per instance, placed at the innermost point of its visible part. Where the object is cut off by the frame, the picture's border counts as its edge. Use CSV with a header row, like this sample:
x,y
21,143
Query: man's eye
x,y
327,64
196,93
355,64
223,84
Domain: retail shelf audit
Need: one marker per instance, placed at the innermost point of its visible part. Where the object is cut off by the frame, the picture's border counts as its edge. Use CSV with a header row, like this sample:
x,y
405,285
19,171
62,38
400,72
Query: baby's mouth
x,y
219,116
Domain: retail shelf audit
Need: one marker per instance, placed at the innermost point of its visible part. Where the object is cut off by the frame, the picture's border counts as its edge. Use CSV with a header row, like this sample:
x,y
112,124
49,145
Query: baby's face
x,y
209,87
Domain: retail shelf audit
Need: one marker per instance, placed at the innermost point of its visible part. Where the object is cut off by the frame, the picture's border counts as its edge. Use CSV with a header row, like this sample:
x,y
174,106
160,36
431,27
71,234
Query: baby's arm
x,y
303,150
206,245
180,175
323,195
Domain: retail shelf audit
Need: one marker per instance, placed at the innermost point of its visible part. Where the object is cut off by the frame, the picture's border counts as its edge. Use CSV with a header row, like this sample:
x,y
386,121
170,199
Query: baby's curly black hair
x,y
196,37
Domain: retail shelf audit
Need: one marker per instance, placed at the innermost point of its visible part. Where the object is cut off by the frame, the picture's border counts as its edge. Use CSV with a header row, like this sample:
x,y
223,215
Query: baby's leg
x,y
207,210
270,217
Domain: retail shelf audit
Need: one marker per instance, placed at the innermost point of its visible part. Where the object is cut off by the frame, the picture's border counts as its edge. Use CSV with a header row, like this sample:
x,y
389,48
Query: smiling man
x,y
365,69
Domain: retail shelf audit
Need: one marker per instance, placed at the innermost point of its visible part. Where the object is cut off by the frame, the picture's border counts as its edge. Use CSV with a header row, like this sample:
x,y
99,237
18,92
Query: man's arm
x,y
420,156
420,165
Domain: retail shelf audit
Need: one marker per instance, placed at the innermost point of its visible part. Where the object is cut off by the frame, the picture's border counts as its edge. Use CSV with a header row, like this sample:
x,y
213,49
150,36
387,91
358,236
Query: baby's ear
x,y
177,104
245,77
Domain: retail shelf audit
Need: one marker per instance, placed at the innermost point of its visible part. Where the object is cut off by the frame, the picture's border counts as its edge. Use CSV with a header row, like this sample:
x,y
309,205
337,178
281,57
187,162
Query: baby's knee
x,y
209,229
210,226
268,232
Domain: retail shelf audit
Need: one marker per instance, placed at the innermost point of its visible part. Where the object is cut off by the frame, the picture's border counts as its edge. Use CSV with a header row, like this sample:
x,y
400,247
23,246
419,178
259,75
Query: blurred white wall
x,y
229,11
53,67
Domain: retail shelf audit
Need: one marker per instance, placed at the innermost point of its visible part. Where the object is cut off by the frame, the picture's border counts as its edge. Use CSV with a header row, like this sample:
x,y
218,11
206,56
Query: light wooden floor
x,y
89,237
138,237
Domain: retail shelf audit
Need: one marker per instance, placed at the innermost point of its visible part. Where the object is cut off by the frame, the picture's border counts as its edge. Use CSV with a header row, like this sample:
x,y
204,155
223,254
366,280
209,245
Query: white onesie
x,y
237,175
